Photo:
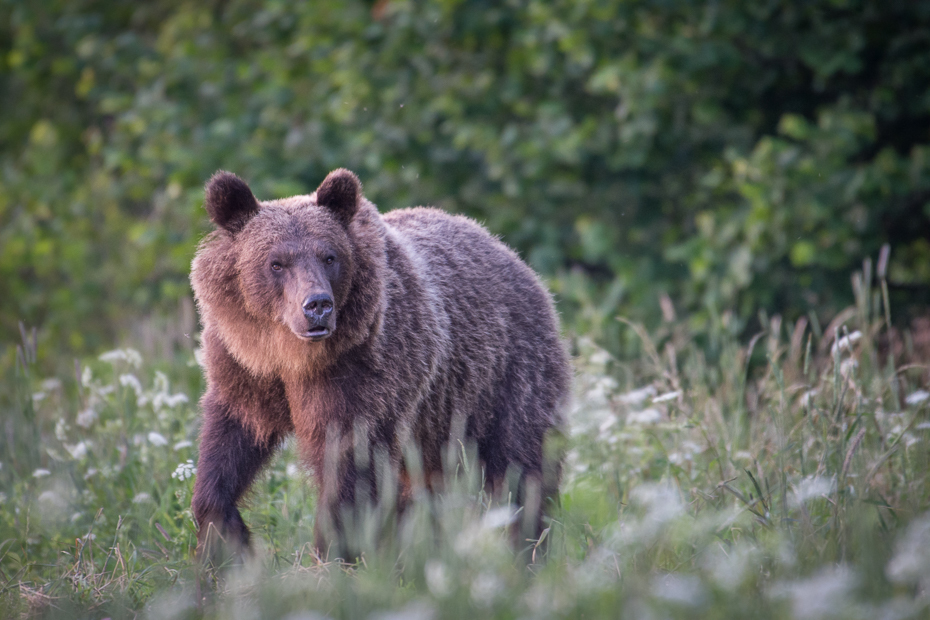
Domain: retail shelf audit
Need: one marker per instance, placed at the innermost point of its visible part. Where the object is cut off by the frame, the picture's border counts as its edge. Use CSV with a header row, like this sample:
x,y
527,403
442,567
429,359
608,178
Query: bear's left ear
x,y
340,192
229,201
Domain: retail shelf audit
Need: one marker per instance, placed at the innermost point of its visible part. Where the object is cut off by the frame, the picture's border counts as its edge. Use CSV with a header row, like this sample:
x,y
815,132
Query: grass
x,y
783,477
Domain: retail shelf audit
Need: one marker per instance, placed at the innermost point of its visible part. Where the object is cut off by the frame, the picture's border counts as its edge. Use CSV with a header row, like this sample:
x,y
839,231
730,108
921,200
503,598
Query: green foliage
x,y
785,478
731,154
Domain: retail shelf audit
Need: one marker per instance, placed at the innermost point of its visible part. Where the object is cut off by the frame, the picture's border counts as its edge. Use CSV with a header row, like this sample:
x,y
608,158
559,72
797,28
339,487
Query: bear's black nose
x,y
318,307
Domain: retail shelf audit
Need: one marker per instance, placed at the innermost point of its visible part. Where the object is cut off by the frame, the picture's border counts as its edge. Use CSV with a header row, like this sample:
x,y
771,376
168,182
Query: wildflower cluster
x,y
779,478
184,470
117,427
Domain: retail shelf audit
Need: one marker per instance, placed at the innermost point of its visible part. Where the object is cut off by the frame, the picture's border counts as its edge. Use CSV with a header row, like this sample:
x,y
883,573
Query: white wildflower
x,y
846,342
142,498
691,448
158,401
162,400
729,568
646,416
52,501
184,443
679,589
922,426
51,384
38,397
157,439
176,399
917,397
910,563
661,501
78,451
130,356
437,578
482,538
539,600
61,430
291,470
600,389
499,517
184,470
660,505
130,380
116,355
485,588
160,384
91,472
637,397
664,398
820,596
41,473
86,418
847,366
812,487
162,397
88,537
87,376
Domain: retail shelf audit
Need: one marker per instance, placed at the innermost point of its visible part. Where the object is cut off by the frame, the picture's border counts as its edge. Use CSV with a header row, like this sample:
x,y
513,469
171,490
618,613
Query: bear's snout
x,y
318,309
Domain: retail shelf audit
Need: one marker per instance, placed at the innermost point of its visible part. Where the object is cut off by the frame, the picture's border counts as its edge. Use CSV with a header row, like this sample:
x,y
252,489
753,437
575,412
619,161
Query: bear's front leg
x,y
230,457
357,483
339,477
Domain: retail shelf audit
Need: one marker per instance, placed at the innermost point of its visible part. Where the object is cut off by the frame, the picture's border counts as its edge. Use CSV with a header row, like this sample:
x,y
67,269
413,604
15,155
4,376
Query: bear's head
x,y
280,275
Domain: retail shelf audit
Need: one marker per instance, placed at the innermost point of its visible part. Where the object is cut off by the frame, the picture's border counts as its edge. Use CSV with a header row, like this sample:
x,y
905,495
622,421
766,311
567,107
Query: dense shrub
x,y
733,154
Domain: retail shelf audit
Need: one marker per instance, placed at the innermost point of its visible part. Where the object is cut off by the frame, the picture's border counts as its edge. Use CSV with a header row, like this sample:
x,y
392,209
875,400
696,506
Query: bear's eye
x,y
330,260
276,266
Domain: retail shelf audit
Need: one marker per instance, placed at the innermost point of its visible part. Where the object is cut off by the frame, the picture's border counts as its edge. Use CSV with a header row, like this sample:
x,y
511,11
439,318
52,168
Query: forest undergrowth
x,y
784,475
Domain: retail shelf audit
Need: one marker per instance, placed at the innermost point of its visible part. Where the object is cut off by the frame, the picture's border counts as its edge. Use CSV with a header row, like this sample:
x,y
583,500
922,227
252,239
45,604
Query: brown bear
x,y
364,334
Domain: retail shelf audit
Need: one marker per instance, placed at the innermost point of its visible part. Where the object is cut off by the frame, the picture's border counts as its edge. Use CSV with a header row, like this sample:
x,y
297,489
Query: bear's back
x,y
475,274
502,322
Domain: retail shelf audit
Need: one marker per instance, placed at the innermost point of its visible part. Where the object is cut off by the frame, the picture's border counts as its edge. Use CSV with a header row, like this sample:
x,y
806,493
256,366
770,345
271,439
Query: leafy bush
x,y
731,154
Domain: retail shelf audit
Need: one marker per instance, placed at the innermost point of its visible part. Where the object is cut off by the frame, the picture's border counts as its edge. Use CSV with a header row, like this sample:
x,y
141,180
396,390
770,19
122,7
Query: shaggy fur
x,y
437,332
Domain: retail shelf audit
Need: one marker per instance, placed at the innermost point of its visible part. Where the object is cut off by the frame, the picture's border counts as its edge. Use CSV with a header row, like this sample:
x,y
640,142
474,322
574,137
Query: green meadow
x,y
786,477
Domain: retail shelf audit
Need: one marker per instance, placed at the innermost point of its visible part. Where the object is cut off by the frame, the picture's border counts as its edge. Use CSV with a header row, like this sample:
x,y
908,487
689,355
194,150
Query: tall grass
x,y
783,476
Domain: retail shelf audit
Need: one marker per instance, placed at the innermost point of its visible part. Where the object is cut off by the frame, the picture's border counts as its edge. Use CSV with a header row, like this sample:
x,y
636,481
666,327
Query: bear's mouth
x,y
316,333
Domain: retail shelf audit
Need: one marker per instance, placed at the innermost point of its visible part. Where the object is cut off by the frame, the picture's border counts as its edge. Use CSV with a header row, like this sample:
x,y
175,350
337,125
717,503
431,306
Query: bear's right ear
x,y
340,192
229,201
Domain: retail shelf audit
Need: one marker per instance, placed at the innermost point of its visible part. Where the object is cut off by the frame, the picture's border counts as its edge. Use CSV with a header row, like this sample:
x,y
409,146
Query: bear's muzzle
x,y
321,320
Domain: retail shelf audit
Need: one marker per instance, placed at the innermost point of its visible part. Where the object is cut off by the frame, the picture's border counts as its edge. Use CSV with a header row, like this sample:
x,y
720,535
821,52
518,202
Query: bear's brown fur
x,y
360,333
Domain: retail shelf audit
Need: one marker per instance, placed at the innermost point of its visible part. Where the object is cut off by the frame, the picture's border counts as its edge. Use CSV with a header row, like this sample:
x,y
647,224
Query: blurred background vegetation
x,y
749,441
725,154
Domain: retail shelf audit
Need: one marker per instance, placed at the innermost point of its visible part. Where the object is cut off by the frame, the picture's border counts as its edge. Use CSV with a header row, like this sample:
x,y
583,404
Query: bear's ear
x,y
229,201
340,192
